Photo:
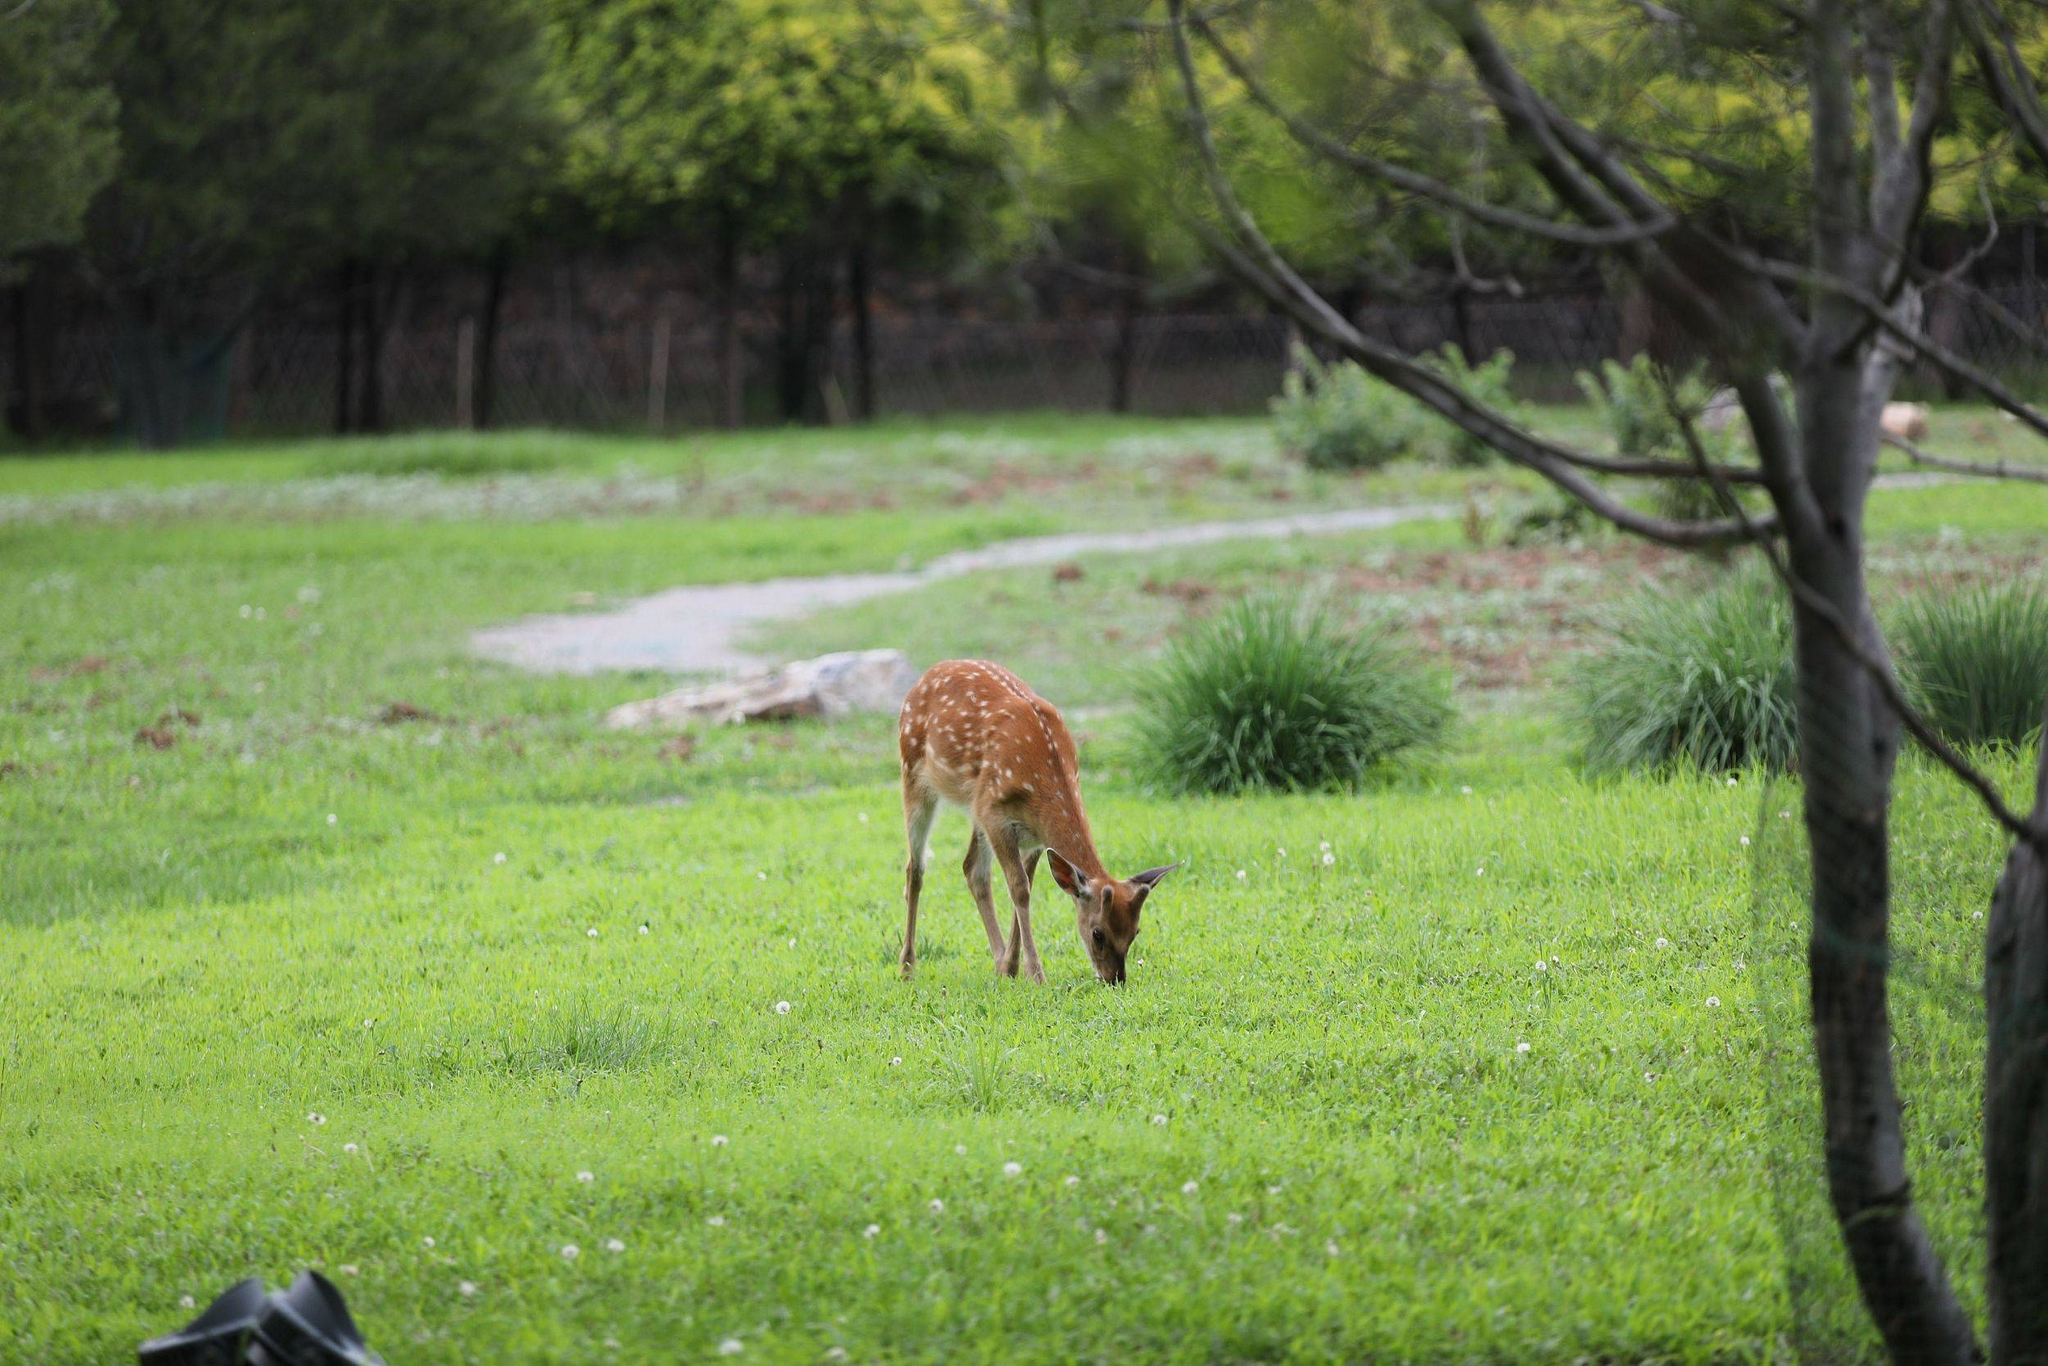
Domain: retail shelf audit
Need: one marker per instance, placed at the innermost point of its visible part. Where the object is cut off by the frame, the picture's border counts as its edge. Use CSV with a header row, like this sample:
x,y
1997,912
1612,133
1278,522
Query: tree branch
x,y
2036,474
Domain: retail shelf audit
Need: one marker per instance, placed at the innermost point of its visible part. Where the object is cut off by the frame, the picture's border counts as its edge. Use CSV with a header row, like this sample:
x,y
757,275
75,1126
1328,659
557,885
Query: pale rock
x,y
829,686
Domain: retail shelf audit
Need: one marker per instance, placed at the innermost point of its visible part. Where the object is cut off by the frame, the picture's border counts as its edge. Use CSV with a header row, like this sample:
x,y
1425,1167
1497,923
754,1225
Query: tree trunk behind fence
x,y
344,347
1124,353
495,273
863,338
370,406
28,415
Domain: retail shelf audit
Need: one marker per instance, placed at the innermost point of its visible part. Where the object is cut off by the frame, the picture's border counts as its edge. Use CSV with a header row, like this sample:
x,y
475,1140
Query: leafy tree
x,y
809,127
1770,191
57,138
261,142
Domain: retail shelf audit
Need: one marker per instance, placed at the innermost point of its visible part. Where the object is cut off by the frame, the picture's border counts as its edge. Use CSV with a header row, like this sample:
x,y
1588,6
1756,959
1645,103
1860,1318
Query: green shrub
x,y
1273,693
1698,679
1975,662
1631,401
1488,383
1338,417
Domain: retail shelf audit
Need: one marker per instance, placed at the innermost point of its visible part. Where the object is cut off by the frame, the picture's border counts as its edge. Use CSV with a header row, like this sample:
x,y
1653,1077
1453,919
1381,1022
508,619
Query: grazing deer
x,y
974,734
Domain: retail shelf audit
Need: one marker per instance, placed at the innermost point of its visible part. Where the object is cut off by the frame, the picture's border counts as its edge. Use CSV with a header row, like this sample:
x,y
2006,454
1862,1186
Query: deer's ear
x,y
1151,876
1072,880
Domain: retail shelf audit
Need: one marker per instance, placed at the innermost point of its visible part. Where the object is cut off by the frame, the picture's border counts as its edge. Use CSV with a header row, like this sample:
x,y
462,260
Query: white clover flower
x,y
1522,1047
1466,790
1190,1187
1233,1218
348,1269
1240,875
896,1062
938,1206
465,1288
586,1177
1013,1169
1101,1236
1278,850
187,1302
614,1245
1330,1248
731,1347
762,876
332,818
719,1140
1662,942
863,818
792,941
1324,846
1713,1003
427,1241
1159,1119
349,1148
782,1007
1072,1182
570,1252
1328,859
315,1117
1745,841
497,858
960,1150
871,1231
716,1221
592,931
643,929
1542,965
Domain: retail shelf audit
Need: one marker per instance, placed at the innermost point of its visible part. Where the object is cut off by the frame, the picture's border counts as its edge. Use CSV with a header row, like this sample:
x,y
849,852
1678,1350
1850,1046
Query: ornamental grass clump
x,y
1275,694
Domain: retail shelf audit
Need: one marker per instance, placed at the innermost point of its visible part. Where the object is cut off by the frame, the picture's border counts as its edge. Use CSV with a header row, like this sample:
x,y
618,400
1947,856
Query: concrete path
x,y
695,629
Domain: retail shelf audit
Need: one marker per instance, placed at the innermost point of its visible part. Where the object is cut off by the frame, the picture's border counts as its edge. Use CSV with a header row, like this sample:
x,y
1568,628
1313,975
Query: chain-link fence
x,y
659,368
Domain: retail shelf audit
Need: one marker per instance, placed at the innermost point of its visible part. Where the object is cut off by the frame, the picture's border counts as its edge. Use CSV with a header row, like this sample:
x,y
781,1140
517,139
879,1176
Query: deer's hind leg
x,y
1022,953
980,858
920,805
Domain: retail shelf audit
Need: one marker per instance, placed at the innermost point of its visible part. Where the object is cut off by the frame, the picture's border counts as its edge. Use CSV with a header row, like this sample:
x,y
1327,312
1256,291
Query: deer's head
x,y
1107,911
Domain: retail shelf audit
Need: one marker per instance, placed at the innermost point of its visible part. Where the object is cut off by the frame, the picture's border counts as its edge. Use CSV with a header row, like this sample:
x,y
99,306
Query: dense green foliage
x,y
1699,679
766,119
1274,694
57,144
1975,661
1487,383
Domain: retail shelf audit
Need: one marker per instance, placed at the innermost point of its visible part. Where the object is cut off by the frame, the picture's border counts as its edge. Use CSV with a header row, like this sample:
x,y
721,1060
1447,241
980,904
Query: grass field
x,y
476,1005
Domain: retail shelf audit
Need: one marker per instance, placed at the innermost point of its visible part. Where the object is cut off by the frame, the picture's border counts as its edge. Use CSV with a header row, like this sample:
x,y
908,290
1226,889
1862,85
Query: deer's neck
x,y
1063,826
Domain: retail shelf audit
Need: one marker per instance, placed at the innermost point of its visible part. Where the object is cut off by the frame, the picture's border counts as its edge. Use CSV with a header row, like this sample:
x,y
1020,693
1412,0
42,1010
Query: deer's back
x,y
970,728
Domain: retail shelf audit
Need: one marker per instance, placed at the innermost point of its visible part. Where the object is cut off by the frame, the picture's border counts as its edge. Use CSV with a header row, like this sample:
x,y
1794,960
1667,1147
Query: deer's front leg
x,y
1022,953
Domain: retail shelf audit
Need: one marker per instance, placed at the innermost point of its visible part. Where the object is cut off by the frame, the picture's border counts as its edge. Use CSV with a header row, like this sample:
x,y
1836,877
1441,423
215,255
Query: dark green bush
x,y
1272,693
1697,679
1975,662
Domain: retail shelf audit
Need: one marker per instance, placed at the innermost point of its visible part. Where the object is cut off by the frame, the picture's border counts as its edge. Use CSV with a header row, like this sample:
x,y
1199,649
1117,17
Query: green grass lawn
x,y
429,1002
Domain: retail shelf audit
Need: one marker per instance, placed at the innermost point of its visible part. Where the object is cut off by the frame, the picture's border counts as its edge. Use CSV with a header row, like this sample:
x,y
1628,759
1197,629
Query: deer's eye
x,y
1100,938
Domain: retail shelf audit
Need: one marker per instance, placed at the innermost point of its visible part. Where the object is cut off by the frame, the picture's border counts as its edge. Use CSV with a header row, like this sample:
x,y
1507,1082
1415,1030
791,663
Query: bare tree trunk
x,y
2016,1097
1848,745
487,335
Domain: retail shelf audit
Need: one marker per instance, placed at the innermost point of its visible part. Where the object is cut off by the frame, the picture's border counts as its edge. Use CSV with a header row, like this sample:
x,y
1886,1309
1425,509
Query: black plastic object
x,y
217,1337
308,1325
